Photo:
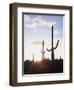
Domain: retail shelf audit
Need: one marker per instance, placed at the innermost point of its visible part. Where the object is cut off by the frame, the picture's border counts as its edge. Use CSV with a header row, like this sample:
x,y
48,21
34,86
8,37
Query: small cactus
x,y
43,52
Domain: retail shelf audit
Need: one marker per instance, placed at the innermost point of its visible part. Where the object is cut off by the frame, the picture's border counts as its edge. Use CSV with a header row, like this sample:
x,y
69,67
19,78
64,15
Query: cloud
x,y
36,42
39,42
38,20
33,23
51,23
31,26
56,32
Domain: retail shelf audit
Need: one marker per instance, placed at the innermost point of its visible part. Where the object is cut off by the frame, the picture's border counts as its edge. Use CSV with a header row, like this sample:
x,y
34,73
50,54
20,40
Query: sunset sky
x,y
38,28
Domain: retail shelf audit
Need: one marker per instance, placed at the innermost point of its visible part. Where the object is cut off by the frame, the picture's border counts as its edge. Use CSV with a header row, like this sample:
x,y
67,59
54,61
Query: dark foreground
x,y
44,66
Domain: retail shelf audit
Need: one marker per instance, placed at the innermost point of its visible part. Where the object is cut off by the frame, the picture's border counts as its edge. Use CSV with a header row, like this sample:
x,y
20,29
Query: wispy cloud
x,y
36,42
38,21
46,42
56,32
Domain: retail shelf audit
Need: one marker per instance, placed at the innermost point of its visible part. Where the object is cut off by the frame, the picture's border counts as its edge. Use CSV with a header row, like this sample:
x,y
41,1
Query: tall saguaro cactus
x,y
52,47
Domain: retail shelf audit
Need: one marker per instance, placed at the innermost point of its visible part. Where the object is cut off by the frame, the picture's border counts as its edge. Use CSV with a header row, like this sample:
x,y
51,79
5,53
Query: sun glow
x,y
33,50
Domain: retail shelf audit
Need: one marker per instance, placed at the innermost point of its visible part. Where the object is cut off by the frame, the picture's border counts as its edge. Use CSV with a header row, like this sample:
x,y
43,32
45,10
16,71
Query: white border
x,y
44,77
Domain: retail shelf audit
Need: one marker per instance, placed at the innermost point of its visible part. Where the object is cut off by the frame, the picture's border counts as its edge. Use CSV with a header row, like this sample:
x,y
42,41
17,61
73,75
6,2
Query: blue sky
x,y
38,28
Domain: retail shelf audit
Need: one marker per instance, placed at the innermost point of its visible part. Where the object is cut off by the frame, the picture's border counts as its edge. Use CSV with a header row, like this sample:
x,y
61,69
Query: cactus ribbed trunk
x,y
33,57
52,53
43,50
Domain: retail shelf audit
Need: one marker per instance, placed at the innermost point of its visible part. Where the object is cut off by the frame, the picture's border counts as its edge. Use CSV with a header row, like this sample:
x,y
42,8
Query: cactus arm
x,y
48,49
54,47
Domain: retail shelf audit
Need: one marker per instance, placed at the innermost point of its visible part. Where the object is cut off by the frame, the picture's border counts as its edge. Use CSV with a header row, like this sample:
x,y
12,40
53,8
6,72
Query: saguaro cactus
x,y
43,52
33,58
52,47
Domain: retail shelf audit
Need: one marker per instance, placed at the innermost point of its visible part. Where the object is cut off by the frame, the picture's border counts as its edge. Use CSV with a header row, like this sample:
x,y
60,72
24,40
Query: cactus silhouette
x,y
52,47
43,52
